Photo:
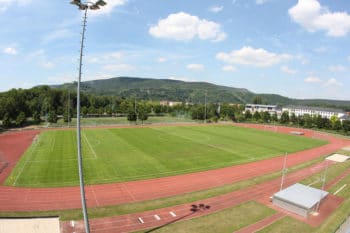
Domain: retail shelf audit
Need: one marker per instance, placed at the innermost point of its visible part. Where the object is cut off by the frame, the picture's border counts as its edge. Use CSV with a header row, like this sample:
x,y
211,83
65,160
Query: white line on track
x,y
316,181
340,189
93,151
141,220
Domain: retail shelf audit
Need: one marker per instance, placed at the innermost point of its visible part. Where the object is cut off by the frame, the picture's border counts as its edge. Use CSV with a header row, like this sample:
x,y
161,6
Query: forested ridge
x,y
136,98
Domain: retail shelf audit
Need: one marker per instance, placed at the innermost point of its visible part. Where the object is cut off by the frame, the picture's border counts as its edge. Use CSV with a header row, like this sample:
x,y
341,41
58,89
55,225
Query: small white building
x,y
313,111
261,108
299,199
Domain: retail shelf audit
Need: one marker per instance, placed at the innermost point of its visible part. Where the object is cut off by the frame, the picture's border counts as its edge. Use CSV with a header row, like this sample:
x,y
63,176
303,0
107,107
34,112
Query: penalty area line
x,y
93,151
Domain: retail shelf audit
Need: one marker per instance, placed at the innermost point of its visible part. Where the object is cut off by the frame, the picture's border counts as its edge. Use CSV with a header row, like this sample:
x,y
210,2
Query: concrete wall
x,y
290,207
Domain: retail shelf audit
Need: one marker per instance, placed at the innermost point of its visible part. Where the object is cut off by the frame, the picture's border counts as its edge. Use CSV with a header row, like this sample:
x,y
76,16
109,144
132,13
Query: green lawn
x,y
114,155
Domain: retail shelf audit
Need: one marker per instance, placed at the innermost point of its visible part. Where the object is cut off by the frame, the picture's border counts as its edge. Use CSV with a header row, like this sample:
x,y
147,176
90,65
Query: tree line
x,y
19,107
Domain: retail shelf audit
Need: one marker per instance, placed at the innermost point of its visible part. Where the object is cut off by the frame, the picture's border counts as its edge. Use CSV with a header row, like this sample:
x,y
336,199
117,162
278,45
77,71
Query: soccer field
x,y
122,154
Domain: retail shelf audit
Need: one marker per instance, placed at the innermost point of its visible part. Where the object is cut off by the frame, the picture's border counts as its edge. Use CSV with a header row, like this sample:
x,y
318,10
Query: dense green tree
x,y
346,126
293,119
226,111
131,116
274,117
256,116
337,125
308,122
36,118
248,115
67,117
284,118
21,119
52,117
6,121
318,121
333,121
266,117
197,112
142,113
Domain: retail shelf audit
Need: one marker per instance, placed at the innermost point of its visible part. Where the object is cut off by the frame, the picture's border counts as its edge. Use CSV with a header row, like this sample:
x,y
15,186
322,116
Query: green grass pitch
x,y
122,154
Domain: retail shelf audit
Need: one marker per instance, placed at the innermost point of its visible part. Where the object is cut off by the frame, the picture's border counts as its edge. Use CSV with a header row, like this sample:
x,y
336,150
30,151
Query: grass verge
x,y
227,220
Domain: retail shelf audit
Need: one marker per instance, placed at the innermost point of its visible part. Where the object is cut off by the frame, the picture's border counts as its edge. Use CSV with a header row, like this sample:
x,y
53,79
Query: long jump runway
x,y
13,145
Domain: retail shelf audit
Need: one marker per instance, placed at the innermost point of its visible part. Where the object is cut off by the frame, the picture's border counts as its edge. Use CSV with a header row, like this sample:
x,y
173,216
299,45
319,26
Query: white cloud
x,y
48,65
333,82
260,2
119,67
183,27
216,9
108,9
320,50
302,59
162,59
105,58
10,51
337,68
251,56
58,35
229,68
288,70
195,67
5,4
314,17
312,79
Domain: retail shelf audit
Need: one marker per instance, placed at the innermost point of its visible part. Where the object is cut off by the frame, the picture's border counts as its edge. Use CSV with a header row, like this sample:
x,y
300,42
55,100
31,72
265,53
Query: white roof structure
x,y
30,225
301,195
338,158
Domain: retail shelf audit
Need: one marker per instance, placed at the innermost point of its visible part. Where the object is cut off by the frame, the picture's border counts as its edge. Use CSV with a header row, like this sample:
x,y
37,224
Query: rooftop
x,y
301,195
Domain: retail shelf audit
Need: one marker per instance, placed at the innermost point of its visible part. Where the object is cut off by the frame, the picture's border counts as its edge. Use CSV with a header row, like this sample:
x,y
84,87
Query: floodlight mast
x,y
84,7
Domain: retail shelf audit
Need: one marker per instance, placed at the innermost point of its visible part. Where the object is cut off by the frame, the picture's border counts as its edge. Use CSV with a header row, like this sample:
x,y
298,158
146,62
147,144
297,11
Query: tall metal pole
x,y
205,107
323,184
283,171
135,110
80,159
68,108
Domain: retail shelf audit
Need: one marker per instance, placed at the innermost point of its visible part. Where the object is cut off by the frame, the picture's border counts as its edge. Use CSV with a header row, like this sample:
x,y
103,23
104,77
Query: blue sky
x,y
296,48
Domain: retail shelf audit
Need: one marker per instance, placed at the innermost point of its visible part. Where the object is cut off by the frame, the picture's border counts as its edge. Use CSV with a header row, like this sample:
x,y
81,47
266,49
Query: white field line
x,y
340,189
93,151
52,143
36,142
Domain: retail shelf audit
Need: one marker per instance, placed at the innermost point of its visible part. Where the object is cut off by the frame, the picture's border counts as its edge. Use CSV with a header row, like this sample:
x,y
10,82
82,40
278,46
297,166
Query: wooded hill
x,y
193,92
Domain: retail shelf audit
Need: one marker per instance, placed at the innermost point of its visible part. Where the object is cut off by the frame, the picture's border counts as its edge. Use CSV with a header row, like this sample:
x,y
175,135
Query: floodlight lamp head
x,y
94,7
83,7
75,2
101,3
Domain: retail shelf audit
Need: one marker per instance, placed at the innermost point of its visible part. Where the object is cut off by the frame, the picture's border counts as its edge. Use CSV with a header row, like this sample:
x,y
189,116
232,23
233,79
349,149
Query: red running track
x,y
131,222
30,199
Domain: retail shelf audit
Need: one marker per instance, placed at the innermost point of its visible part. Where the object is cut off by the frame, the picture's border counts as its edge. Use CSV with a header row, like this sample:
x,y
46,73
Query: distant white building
x,y
314,111
169,103
261,108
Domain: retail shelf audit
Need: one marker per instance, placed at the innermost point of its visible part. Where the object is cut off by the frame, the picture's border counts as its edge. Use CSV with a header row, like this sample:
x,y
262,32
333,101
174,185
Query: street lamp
x,y
84,7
